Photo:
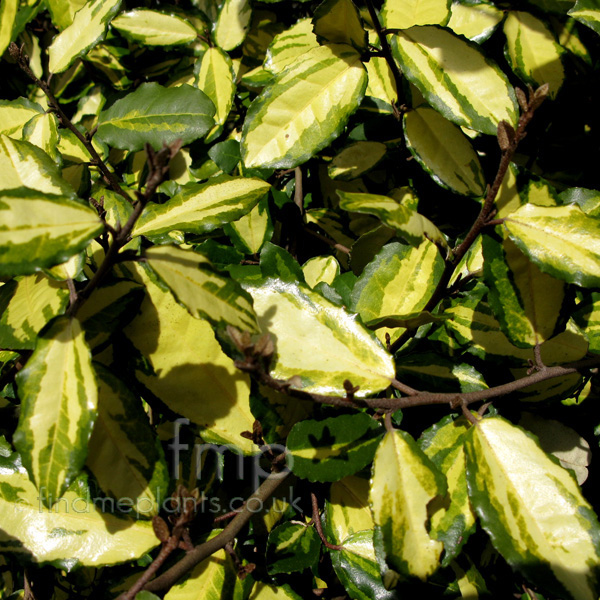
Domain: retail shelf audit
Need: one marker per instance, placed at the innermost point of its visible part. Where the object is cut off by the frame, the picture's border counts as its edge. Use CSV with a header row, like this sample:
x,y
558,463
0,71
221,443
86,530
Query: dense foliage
x,y
299,299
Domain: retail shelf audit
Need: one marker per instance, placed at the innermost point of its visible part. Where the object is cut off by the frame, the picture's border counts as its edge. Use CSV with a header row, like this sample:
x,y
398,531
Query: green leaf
x,y
443,151
586,12
412,226
292,547
289,46
232,24
205,292
476,21
533,52
154,28
357,568
88,28
356,159
402,14
200,208
279,264
441,65
40,230
156,115
399,281
215,578
333,448
339,22
403,483
24,165
63,11
14,114
587,317
26,305
561,240
204,385
453,520
8,14
73,533
533,510
304,109
319,342
59,397
124,454
527,302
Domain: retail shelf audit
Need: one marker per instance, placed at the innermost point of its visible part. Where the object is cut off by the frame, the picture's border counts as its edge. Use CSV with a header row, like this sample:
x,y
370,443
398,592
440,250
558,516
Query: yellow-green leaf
x,y
320,268
338,22
252,230
40,230
587,12
533,52
381,81
444,151
402,14
318,341
403,483
533,510
27,304
356,159
73,533
154,28
124,454
290,46
304,109
15,113
59,397
232,24
8,14
476,21
200,208
203,385
42,131
63,11
88,28
441,65
561,240
347,509
198,286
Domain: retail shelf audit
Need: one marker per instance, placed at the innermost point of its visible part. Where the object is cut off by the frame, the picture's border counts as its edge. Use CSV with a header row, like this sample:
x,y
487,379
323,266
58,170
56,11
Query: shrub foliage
x,y
299,299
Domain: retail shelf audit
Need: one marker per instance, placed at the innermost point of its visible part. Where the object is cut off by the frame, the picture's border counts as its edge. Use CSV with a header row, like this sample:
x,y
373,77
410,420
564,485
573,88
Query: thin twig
x,y
298,193
327,240
405,389
23,61
319,526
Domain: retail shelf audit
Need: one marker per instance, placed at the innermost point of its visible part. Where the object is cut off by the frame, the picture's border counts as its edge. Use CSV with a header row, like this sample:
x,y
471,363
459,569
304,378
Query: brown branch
x,y
327,240
508,140
23,61
203,551
319,526
298,193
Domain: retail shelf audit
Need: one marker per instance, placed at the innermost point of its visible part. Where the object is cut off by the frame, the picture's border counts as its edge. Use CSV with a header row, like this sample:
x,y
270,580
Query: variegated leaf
x,y
382,85
304,109
533,510
124,454
403,14
251,231
59,397
40,230
290,46
74,533
356,159
63,11
533,52
156,115
444,151
403,483
339,22
412,226
440,64
292,547
154,28
232,24
200,208
561,240
26,305
8,14
586,12
527,302
476,21
399,281
204,291
15,113
587,317
42,131
88,28
203,385
453,520
320,268
319,342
